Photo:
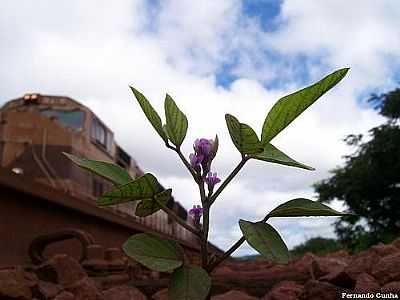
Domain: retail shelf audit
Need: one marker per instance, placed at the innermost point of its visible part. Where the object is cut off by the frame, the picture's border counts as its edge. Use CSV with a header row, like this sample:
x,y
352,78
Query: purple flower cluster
x,y
202,149
211,180
201,159
196,211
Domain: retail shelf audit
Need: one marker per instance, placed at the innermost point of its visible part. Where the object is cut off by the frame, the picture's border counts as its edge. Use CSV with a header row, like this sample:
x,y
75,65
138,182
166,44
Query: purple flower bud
x,y
196,211
195,160
203,147
211,180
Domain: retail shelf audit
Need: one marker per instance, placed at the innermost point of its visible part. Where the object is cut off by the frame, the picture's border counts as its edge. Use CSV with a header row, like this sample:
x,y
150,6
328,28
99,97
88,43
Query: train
x,y
34,131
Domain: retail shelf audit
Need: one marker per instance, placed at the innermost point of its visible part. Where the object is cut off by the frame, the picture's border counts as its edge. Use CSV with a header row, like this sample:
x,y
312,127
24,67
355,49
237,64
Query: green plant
x,y
316,245
193,282
368,182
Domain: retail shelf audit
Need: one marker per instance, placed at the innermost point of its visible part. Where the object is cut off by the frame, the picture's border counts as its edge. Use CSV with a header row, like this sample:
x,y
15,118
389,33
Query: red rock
x,y
326,265
288,290
366,284
65,296
391,287
317,290
61,269
384,250
303,265
387,269
13,284
234,295
84,289
31,278
160,295
362,263
341,254
396,243
248,266
224,270
111,280
124,293
48,289
339,278
315,266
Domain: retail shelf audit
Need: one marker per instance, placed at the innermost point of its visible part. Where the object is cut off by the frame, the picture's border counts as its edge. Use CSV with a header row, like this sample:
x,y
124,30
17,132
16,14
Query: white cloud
x,y
360,34
93,50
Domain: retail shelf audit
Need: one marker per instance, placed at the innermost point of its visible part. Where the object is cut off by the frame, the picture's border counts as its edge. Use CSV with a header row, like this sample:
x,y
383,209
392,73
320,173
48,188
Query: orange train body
x,y
34,131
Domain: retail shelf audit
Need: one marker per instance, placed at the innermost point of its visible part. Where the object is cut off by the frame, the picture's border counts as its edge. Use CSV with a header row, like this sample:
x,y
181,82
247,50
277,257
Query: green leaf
x,y
109,171
177,123
143,188
243,136
303,208
165,130
189,283
291,106
150,113
153,252
266,240
150,206
274,155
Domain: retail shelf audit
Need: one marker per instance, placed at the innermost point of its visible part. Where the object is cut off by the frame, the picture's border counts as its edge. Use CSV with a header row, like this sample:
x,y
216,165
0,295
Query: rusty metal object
x,y
39,244
95,263
115,259
100,262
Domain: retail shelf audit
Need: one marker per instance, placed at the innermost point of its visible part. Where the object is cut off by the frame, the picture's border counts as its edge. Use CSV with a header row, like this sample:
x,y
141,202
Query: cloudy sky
x,y
212,57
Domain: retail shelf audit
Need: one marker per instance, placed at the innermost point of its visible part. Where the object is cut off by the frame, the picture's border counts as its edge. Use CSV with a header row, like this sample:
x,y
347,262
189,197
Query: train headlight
x,y
18,171
31,98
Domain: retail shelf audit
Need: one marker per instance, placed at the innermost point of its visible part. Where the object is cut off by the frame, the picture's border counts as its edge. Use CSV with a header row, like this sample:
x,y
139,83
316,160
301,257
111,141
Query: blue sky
x,y
213,57
266,11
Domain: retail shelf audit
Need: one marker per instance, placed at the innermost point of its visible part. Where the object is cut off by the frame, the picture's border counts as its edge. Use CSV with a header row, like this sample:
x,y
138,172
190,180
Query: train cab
x,y
34,131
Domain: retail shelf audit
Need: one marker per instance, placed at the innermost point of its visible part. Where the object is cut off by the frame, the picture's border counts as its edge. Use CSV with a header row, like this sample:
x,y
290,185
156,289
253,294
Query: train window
x,y
101,135
109,141
73,119
123,158
99,132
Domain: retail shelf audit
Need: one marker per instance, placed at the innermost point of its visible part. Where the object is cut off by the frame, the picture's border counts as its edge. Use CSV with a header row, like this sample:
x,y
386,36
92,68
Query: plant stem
x,y
232,249
224,256
228,179
177,219
206,207
203,234
205,239
206,225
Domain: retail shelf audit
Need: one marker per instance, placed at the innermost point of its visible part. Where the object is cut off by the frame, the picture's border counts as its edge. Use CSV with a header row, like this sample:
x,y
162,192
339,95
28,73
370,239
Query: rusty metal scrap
x,y
39,244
